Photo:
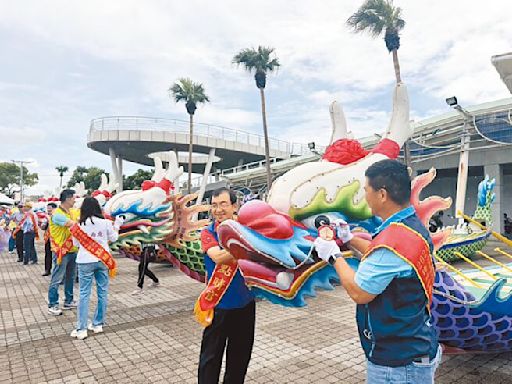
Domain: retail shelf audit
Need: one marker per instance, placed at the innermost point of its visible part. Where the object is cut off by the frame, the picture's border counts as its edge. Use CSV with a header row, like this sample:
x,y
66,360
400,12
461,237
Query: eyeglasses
x,y
222,205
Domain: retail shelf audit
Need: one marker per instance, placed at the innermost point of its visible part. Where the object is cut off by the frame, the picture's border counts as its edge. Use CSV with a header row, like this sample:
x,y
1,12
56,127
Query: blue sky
x,y
67,62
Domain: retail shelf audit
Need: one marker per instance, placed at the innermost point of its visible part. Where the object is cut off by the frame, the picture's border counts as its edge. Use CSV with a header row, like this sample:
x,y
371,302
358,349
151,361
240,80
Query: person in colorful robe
x,y
394,282
226,307
45,226
94,260
17,233
29,227
64,253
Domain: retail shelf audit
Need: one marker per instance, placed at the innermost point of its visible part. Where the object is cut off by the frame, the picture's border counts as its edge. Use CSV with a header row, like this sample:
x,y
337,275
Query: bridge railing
x,y
138,123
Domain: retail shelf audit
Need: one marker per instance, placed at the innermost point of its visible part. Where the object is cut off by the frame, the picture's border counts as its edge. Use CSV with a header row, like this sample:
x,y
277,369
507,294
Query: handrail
x,y
109,123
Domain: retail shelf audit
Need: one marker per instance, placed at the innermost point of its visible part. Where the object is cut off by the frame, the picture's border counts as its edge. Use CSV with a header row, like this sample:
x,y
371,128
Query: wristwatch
x,y
332,259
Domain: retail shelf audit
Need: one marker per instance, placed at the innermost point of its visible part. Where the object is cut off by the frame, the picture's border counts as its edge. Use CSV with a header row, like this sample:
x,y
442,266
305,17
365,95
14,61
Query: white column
x,y
462,179
113,160
204,181
119,173
495,171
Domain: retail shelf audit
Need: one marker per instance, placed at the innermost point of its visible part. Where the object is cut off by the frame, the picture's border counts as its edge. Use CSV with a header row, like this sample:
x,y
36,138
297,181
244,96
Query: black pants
x,y
19,245
148,254
236,327
47,257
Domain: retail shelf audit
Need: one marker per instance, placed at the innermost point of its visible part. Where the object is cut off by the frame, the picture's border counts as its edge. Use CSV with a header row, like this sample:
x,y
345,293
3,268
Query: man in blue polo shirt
x,y
393,284
235,314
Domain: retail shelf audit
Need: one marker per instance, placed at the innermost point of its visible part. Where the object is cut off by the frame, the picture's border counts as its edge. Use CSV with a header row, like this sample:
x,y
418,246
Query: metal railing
x,y
140,123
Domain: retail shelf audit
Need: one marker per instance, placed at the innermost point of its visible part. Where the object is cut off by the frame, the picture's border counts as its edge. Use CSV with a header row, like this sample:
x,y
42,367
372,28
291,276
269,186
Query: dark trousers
x,y
19,245
148,253
236,328
29,248
48,257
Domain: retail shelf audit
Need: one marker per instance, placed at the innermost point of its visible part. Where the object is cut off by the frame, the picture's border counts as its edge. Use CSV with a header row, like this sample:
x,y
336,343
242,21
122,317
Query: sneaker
x,y
68,306
55,311
154,284
137,292
95,328
79,334
46,274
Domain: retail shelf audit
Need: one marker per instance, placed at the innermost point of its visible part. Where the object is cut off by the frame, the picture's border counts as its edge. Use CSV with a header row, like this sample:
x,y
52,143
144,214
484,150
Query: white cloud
x,y
72,61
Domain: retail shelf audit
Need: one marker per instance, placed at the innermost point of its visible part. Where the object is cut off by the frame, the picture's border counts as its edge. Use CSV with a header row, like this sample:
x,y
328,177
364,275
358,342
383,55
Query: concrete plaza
x,y
153,338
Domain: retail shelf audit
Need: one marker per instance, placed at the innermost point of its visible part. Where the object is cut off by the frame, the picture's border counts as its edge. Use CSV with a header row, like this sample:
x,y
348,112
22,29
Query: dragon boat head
x,y
155,214
273,240
148,213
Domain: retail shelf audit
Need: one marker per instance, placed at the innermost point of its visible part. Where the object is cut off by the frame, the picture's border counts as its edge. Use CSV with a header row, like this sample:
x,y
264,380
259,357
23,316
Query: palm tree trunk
x,y
60,186
190,145
265,134
397,66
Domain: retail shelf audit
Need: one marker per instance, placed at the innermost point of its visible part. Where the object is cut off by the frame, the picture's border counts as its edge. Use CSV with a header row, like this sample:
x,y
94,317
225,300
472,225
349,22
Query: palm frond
x,y
375,16
188,91
257,60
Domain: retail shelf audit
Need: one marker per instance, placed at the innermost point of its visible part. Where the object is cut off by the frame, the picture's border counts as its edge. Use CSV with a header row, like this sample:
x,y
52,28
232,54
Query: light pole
x,y
462,176
21,162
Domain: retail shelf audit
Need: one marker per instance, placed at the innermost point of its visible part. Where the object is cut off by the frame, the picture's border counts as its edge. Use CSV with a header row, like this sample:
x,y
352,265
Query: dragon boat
x,y
273,239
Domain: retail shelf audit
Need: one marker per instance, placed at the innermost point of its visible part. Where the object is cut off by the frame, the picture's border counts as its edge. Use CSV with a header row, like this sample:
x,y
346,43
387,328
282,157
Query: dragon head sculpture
x,y
273,241
155,214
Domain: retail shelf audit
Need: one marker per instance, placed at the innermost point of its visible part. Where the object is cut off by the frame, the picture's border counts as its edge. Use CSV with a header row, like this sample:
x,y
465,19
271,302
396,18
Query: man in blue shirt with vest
x,y
393,284
234,313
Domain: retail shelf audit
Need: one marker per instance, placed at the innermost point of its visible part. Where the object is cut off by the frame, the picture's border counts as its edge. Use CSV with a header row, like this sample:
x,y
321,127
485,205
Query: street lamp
x,y
21,162
462,176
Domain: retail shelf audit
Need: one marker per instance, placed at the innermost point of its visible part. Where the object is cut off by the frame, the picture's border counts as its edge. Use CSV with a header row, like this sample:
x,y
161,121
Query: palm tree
x,y
375,16
260,62
192,94
62,169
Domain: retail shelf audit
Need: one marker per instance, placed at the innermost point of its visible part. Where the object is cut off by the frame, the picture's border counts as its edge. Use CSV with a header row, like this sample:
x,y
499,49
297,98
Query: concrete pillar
x,y
462,177
495,171
120,173
113,160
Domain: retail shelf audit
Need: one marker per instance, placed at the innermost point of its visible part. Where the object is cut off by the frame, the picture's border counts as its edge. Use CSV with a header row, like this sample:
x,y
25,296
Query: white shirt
x,y
100,230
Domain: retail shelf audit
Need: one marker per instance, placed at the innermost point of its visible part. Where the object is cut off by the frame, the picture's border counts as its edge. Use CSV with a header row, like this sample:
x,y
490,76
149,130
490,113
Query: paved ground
x,y
153,338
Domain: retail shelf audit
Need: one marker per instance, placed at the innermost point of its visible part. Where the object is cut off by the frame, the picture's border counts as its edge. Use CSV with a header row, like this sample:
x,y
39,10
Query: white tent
x,y
6,200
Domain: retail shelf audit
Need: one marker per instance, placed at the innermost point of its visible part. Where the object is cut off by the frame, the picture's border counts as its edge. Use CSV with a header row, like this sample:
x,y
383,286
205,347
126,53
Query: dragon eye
x,y
316,221
126,216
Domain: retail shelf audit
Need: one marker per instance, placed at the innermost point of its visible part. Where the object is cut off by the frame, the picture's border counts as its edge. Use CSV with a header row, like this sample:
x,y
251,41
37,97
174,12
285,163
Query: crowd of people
x,y
393,294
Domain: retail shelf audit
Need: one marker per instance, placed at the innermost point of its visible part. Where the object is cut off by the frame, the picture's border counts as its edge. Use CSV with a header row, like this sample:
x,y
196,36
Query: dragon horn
x,y
399,129
339,123
159,171
174,171
104,182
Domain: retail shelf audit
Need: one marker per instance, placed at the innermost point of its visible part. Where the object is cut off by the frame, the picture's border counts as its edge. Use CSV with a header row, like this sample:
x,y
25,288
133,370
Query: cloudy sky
x,y
67,62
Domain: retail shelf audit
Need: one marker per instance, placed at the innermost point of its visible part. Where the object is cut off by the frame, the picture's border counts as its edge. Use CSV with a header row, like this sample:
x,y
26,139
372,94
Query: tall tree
x,y
260,62
62,169
10,179
135,181
192,94
377,16
90,176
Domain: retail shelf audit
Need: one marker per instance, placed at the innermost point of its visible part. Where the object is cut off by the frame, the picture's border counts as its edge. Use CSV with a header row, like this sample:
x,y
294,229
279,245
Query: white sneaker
x,y
79,334
95,328
137,292
154,284
55,311
70,306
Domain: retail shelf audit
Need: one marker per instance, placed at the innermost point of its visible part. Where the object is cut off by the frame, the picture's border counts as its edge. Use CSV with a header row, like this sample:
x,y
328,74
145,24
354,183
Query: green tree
x,y
135,181
192,94
90,176
260,62
62,169
10,179
377,16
